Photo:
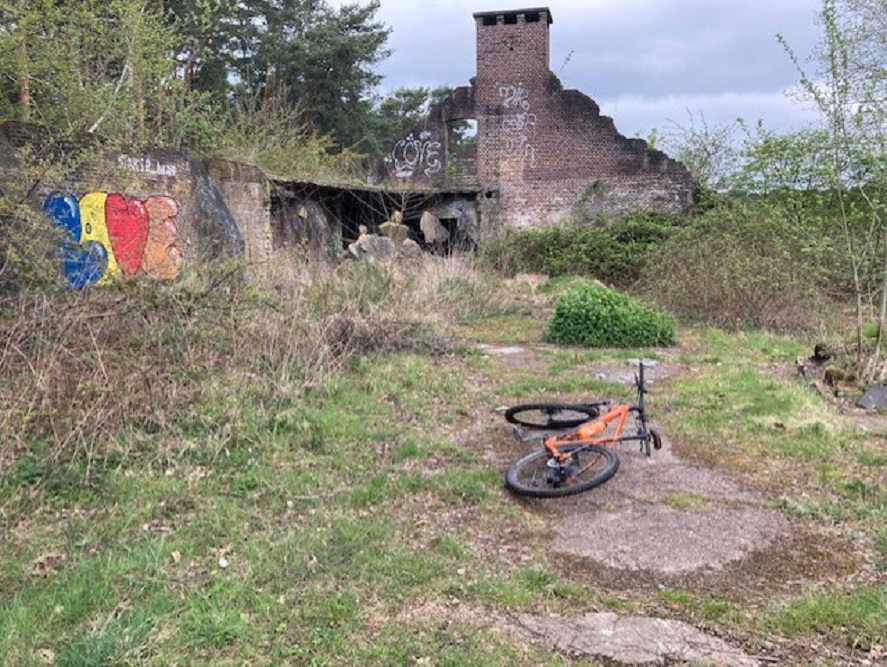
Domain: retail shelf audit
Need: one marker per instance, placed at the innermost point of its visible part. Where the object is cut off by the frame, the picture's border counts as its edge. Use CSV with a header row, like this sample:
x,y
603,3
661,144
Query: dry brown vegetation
x,y
81,368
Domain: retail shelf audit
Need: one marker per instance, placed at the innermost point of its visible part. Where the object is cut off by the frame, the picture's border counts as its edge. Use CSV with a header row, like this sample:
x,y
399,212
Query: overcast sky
x,y
647,63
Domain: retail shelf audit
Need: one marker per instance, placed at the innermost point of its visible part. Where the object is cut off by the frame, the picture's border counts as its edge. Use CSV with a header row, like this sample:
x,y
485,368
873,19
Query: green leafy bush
x,y
597,316
614,251
745,264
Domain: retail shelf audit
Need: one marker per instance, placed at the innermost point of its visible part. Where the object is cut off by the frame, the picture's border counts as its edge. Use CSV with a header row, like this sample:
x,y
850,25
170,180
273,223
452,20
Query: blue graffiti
x,y
82,264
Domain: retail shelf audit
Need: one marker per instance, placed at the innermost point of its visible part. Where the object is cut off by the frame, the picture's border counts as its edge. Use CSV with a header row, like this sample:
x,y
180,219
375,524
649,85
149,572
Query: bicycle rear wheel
x,y
589,466
551,415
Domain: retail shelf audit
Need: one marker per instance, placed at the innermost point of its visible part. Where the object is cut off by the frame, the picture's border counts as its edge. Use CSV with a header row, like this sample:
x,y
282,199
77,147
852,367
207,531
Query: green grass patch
x,y
685,500
523,588
856,617
508,329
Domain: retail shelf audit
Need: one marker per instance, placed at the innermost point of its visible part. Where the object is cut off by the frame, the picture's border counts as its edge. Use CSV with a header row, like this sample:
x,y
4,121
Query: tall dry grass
x,y
93,372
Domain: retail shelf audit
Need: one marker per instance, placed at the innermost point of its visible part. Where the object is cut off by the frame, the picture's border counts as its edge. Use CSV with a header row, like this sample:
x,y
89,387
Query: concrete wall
x,y
543,153
246,191
125,214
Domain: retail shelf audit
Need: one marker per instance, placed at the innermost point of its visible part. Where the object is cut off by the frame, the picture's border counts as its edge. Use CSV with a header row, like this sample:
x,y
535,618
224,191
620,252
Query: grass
x,y
858,616
309,476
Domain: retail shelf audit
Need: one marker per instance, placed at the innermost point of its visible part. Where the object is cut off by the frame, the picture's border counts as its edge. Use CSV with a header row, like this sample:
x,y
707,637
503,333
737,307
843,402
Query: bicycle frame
x,y
587,434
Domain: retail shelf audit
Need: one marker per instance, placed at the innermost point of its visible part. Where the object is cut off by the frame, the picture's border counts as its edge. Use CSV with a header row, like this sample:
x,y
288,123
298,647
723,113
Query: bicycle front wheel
x,y
551,415
589,466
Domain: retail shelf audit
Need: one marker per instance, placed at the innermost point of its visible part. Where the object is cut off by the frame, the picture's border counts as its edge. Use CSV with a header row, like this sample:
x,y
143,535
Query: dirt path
x,y
665,521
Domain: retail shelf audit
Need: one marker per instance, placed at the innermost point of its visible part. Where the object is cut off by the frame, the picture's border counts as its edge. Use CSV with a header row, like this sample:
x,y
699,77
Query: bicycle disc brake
x,y
560,473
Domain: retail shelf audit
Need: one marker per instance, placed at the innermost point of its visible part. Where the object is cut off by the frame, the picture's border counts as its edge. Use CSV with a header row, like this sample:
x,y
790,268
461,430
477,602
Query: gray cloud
x,y
646,62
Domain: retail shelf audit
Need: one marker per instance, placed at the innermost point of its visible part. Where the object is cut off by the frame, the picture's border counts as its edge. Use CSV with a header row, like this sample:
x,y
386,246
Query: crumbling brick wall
x,y
543,153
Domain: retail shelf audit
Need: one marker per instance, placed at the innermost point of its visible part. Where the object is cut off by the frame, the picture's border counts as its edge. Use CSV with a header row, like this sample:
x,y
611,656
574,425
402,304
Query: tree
x,y
849,87
399,112
317,59
87,65
708,151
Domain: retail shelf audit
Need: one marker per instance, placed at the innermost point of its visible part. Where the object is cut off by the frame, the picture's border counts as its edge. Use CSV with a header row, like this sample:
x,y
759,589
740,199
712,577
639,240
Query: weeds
x,y
95,372
298,471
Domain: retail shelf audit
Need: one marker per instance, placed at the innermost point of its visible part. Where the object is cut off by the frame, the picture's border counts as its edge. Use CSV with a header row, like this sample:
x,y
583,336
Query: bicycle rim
x,y
591,465
550,415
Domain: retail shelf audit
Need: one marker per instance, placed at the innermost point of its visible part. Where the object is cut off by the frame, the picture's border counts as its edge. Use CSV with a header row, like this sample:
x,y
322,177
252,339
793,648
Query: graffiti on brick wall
x,y
107,235
412,154
518,124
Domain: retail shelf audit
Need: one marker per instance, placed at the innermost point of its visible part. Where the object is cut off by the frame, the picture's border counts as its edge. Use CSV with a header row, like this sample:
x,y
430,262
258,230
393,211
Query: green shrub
x,y
744,264
614,251
597,316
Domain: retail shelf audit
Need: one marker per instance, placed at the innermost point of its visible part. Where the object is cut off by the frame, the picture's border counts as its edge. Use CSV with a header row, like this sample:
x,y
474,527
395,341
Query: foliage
x,y
708,151
313,56
742,265
96,65
170,72
273,135
82,368
849,88
399,112
615,251
597,316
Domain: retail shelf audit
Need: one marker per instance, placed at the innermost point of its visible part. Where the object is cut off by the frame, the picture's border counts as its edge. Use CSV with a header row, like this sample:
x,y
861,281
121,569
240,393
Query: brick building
x,y
541,153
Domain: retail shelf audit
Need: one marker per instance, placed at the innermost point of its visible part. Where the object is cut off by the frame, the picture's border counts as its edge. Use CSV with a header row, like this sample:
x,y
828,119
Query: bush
x,y
91,373
743,264
614,251
597,316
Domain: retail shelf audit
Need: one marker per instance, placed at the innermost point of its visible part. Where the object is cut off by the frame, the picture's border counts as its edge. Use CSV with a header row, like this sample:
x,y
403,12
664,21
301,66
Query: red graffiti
x,y
128,229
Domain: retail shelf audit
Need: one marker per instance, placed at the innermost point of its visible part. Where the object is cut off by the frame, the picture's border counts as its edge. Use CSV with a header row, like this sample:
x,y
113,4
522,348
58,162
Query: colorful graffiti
x,y
107,235
410,154
518,125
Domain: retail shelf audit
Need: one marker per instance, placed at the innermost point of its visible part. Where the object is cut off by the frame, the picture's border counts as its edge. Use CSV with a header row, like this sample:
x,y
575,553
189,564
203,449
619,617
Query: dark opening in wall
x,y
459,240
532,17
511,19
489,20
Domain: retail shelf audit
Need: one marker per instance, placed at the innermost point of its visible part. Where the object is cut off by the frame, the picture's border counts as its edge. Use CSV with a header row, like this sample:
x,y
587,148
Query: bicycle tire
x,y
551,415
526,477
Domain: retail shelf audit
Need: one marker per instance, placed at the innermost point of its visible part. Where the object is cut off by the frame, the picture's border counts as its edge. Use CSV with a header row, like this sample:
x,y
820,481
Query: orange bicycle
x,y
583,457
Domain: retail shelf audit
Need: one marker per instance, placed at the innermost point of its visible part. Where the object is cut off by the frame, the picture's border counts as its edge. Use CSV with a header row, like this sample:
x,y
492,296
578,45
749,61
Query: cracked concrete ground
x,y
634,640
659,519
662,514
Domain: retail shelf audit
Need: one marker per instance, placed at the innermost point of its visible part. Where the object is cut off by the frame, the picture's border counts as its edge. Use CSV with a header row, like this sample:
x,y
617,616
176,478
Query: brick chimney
x,y
512,44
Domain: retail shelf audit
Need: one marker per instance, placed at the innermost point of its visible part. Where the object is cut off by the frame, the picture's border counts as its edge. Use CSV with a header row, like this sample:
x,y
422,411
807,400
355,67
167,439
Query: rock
x,y
409,249
876,397
398,233
372,248
635,640
432,230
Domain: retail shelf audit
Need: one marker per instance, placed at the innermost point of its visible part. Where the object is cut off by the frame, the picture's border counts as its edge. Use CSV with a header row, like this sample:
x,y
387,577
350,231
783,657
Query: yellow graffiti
x,y
92,218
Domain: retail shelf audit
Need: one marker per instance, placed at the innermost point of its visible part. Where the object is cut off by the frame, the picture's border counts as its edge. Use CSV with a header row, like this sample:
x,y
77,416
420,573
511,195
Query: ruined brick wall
x,y
543,153
548,151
